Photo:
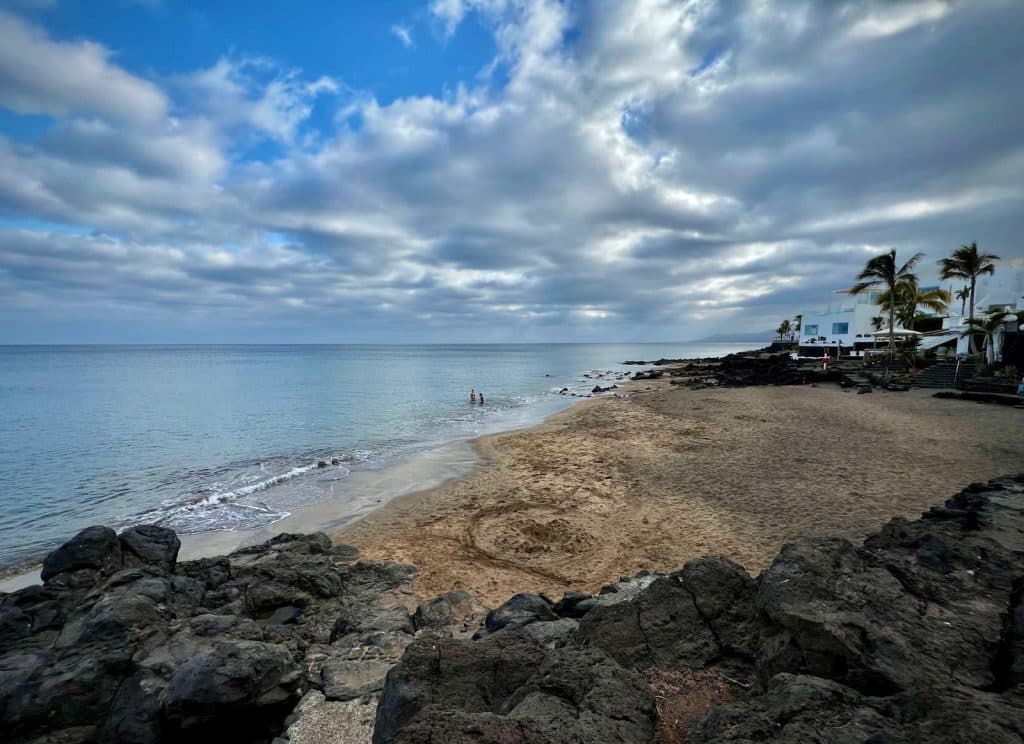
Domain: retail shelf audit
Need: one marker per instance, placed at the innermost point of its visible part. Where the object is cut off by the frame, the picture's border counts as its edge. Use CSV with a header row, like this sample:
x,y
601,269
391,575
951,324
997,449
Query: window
x,y
838,329
810,330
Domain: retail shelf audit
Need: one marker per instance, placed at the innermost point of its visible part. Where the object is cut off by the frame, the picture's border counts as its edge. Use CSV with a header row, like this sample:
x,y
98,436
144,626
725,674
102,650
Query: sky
x,y
489,170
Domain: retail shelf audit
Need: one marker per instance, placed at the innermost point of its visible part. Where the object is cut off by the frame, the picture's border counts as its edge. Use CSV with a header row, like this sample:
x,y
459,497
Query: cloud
x,y
642,169
42,76
256,93
404,35
449,12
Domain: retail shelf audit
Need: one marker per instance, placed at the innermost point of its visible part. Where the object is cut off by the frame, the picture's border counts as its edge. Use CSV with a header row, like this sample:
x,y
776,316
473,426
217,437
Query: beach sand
x,y
612,485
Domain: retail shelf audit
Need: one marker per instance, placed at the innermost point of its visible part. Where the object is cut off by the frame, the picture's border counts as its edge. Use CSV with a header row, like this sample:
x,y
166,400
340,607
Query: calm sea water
x,y
202,438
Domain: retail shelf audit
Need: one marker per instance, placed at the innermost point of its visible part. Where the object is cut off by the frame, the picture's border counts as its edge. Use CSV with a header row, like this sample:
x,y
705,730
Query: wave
x,y
203,510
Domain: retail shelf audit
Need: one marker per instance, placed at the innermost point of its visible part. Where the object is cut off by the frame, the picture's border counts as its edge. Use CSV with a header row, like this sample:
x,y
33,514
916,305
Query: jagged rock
x,y
357,617
505,688
231,685
124,644
345,679
796,709
150,545
519,611
553,633
457,613
660,627
921,605
458,674
916,636
94,548
569,605
723,594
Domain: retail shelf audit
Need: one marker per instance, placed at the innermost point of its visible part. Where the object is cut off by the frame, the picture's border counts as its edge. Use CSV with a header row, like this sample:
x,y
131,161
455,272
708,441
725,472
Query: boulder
x,y
94,548
235,684
504,688
518,611
457,613
553,633
122,643
569,605
660,627
469,676
724,595
150,545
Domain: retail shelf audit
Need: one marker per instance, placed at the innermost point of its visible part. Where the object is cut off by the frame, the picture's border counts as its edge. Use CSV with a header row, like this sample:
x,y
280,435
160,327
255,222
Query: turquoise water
x,y
204,438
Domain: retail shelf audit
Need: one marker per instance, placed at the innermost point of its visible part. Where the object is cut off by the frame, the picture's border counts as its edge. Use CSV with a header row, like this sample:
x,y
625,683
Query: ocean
x,y
208,438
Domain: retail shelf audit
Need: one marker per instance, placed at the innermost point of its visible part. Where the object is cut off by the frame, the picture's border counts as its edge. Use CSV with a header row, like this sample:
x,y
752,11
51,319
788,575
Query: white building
x,y
849,320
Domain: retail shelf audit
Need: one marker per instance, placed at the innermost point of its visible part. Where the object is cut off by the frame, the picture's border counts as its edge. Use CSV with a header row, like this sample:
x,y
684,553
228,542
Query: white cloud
x,y
888,20
256,93
41,76
450,12
404,35
637,165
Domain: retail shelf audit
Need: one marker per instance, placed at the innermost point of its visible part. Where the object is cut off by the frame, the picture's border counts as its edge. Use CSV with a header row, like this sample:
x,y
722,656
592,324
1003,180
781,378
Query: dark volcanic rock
x,y
688,619
123,644
750,368
456,613
94,548
916,636
505,688
231,683
149,545
661,627
569,605
518,611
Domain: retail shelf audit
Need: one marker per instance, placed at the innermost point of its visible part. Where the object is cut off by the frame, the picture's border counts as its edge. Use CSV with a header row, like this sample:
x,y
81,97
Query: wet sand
x,y
615,485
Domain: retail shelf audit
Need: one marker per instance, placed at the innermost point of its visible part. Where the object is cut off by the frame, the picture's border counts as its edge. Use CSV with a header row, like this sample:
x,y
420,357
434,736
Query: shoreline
x,y
538,549
441,464
611,486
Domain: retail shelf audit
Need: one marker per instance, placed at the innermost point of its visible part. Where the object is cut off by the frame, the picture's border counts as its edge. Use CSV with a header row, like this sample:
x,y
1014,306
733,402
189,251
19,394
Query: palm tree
x,y
908,297
877,323
798,324
967,263
990,326
882,271
962,294
783,329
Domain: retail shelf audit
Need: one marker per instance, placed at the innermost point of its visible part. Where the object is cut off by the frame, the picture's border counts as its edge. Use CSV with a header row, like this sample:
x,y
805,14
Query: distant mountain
x,y
732,338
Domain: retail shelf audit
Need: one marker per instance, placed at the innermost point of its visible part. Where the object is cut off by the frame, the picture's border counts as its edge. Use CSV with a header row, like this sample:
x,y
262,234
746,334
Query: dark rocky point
x,y
917,635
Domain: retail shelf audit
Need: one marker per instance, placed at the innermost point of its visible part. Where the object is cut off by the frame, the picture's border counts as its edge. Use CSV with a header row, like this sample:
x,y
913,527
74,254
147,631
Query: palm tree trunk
x,y
892,336
970,339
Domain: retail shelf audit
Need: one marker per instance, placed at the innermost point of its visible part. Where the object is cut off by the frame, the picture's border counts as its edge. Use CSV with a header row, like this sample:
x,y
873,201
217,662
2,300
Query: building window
x,y
839,329
810,330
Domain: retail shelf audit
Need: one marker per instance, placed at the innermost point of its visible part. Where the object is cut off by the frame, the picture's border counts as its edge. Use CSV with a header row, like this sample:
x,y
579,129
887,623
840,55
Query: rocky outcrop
x,y
507,688
122,643
741,370
916,635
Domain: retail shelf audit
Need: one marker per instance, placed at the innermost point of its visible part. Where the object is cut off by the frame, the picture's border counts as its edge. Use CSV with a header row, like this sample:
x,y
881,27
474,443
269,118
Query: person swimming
x,y
472,396
481,398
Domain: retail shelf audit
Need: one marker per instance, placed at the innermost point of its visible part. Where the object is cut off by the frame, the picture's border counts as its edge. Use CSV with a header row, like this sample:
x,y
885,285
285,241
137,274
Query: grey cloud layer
x,y
646,169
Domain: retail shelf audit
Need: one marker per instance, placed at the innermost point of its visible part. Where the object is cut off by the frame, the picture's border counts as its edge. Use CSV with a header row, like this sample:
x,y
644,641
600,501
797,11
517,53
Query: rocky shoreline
x,y
748,368
916,635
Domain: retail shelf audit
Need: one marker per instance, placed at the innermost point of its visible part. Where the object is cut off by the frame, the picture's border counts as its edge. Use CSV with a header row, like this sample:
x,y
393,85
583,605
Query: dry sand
x,y
615,485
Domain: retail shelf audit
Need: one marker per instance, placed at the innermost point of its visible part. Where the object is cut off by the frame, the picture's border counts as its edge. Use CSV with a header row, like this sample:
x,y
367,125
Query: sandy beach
x,y
649,481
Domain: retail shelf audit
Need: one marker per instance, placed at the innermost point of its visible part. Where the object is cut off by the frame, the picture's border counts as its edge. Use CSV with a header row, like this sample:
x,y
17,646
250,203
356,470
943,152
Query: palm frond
x,y
908,265
860,287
